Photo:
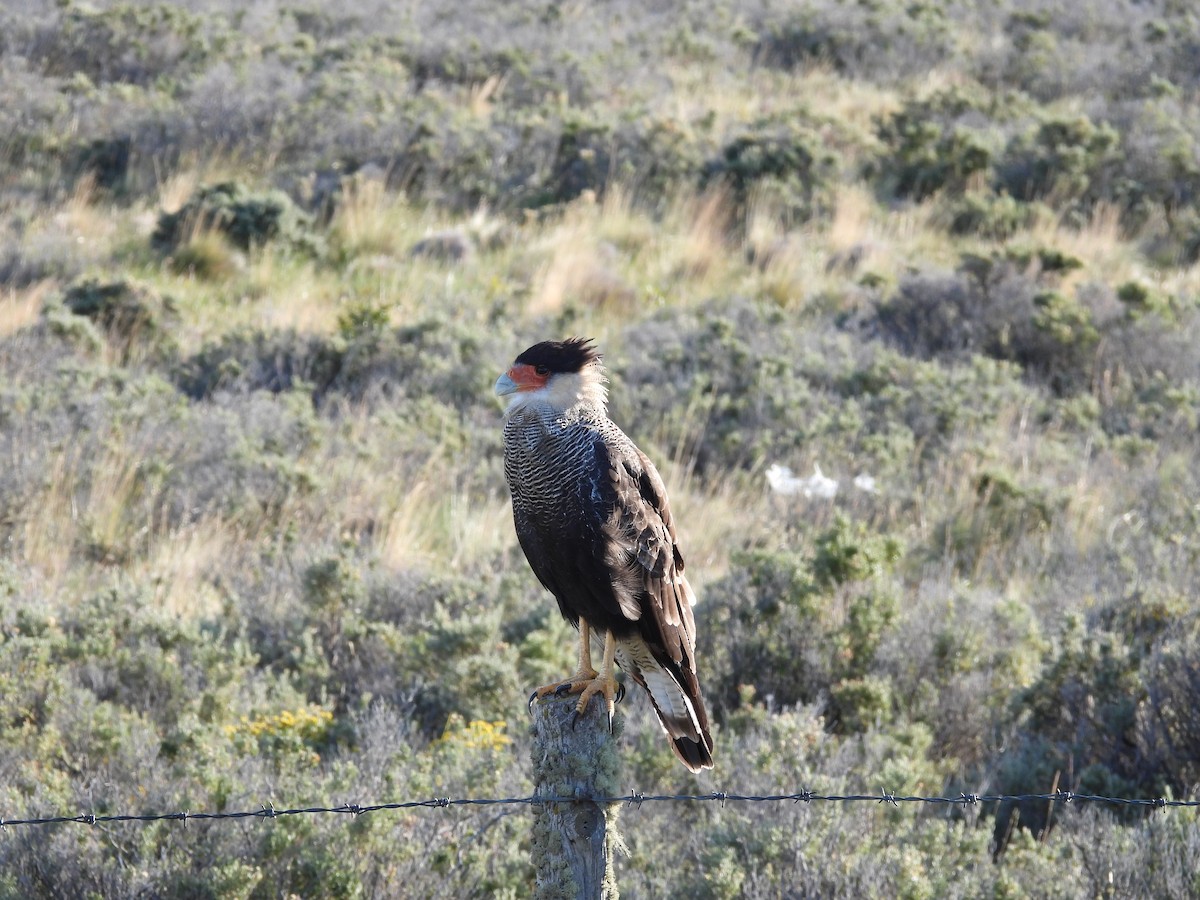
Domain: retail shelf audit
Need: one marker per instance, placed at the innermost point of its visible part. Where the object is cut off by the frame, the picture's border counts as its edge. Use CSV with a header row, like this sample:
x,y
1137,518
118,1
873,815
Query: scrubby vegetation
x,y
259,266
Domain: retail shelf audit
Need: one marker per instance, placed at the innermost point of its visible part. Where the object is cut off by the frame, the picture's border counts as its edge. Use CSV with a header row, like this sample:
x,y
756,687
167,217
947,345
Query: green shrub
x,y
129,43
1082,712
581,160
768,631
105,161
131,315
846,553
859,704
876,40
988,215
723,383
1139,299
993,308
1048,260
786,159
930,147
249,220
274,362
1064,161
928,160
1168,730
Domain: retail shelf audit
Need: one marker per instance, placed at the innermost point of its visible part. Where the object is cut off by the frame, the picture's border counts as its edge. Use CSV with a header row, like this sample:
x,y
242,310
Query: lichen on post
x,y
574,842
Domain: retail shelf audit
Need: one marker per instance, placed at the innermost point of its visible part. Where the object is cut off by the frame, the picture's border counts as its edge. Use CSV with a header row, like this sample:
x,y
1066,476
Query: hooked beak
x,y
505,386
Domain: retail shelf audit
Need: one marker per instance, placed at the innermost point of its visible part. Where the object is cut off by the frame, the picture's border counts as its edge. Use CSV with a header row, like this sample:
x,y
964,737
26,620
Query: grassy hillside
x,y
259,268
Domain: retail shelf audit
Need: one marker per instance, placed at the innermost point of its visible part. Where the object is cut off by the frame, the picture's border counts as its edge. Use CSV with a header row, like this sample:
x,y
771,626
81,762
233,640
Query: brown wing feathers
x,y
667,626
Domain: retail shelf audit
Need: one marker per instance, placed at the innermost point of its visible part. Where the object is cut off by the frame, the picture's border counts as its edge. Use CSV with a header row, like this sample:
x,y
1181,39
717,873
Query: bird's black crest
x,y
570,355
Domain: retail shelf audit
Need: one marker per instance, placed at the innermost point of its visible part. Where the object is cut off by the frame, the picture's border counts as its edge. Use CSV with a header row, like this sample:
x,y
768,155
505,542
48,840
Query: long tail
x,y
674,692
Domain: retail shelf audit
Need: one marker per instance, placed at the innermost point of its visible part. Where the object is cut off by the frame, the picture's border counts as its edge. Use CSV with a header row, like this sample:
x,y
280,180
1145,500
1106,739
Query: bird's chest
x,y
547,466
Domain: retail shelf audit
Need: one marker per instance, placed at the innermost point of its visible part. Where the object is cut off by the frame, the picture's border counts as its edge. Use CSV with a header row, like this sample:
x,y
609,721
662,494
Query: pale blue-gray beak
x,y
505,386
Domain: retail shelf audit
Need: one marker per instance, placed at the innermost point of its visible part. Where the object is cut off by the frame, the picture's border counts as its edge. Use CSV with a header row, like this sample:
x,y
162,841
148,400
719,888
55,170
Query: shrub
x,y
936,143
877,40
770,630
786,159
103,160
720,382
581,160
991,307
1063,343
128,43
243,361
766,613
247,219
130,315
928,160
1065,161
1082,711
988,215
1168,727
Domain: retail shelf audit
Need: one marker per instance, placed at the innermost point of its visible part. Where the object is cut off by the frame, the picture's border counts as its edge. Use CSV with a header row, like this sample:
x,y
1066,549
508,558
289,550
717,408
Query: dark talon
x,y
563,689
574,719
532,699
620,694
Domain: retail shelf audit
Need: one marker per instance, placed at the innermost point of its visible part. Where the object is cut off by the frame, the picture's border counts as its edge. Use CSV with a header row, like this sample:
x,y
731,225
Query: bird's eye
x,y
542,371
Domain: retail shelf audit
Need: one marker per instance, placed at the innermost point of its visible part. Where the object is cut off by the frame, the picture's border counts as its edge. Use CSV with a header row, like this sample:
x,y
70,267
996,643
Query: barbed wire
x,y
634,798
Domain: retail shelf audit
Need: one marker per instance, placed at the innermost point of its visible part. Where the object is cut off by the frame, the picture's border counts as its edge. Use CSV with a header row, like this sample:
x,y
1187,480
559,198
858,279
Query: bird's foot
x,y
572,685
607,687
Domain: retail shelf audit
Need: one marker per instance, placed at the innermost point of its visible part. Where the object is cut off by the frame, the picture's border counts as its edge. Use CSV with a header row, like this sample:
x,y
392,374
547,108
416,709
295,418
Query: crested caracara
x,y
592,516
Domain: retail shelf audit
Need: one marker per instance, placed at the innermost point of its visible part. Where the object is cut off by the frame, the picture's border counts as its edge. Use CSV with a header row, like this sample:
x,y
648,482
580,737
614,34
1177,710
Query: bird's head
x,y
555,374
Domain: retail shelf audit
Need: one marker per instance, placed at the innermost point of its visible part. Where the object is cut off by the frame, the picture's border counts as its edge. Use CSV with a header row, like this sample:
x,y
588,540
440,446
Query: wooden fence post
x,y
573,843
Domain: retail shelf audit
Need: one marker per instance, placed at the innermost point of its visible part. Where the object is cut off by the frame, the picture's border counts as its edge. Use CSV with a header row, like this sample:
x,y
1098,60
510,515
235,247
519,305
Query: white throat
x,y
562,393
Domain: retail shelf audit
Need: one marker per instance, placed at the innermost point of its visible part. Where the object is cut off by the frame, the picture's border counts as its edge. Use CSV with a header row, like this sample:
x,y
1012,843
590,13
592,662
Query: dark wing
x,y
661,655
641,531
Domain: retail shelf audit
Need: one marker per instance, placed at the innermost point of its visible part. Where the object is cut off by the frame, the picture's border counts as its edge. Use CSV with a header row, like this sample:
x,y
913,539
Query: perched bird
x,y
592,517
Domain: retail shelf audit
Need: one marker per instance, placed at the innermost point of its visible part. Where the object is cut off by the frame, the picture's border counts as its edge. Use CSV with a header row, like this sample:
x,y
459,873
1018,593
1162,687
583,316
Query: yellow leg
x,y
605,682
584,675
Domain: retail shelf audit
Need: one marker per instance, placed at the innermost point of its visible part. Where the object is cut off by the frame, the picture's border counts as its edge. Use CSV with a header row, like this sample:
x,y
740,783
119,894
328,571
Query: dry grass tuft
x,y
371,221
450,529
21,308
851,225
483,95
183,563
705,221
1100,243
581,265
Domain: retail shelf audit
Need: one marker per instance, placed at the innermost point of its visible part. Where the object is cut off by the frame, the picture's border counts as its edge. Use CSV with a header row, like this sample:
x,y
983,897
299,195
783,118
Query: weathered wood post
x,y
574,842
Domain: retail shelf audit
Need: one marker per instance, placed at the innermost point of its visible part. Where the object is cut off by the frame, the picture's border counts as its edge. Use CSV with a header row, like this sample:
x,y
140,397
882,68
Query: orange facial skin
x,y
526,377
